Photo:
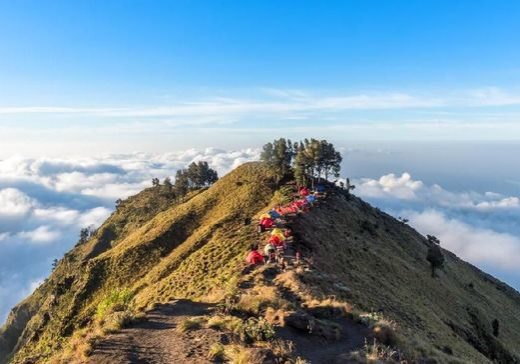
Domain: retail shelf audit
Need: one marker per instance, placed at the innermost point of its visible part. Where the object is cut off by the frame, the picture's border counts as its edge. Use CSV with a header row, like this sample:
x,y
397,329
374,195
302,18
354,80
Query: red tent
x,y
254,257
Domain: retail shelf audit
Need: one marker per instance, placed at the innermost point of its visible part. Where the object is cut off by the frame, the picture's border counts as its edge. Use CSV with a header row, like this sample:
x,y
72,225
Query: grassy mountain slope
x,y
163,250
150,243
383,262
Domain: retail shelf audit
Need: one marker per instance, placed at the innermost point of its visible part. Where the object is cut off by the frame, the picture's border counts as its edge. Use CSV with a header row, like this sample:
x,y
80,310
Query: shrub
x,y
256,301
370,319
384,332
189,324
496,326
255,330
216,352
300,360
115,321
237,354
376,352
219,322
282,349
115,301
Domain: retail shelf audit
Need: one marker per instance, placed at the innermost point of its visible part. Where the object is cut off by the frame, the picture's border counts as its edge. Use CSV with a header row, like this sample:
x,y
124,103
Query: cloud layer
x,y
479,227
44,202
227,118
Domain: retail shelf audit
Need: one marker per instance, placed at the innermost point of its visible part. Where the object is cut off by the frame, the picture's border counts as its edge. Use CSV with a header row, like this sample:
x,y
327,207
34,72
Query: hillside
x,y
360,265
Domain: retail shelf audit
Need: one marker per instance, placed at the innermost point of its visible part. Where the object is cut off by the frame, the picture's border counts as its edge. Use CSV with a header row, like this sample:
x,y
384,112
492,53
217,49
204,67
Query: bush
x,y
237,354
258,300
255,330
496,326
216,352
220,322
115,301
370,319
190,324
375,353
117,320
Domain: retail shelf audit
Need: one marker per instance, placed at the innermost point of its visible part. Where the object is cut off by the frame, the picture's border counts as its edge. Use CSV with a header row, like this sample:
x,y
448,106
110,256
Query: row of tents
x,y
274,222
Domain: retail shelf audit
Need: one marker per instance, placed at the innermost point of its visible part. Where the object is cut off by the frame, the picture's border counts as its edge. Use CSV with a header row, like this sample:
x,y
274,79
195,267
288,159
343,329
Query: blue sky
x,y
102,47
98,97
365,69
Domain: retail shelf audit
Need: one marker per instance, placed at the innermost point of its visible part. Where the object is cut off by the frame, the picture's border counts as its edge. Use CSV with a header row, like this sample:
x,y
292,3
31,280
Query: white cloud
x,y
42,234
14,202
504,203
479,246
404,187
283,101
94,217
58,214
480,227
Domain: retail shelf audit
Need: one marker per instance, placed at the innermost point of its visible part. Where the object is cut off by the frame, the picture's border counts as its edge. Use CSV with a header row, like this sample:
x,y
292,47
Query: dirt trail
x,y
156,340
321,351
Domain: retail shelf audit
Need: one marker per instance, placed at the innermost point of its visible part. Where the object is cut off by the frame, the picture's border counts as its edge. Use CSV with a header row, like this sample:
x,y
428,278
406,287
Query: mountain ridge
x,y
162,249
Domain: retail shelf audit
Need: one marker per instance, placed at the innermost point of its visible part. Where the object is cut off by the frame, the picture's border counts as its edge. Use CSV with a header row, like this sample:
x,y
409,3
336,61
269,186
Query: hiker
x,y
270,253
254,257
304,191
320,188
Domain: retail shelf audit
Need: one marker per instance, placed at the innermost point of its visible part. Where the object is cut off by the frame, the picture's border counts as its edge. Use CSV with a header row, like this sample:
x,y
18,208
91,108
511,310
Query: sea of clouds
x,y
479,227
44,202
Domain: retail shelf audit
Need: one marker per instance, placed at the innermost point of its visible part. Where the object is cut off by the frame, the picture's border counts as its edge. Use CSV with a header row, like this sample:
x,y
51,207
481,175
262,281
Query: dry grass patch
x,y
217,352
224,323
238,354
190,323
259,299
291,280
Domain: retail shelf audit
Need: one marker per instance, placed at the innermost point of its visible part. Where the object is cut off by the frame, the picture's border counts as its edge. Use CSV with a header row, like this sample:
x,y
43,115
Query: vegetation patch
x,y
190,324
116,301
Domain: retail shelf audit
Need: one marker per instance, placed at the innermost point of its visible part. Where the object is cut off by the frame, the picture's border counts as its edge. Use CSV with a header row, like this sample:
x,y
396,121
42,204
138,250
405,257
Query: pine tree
x,y
315,159
301,164
168,184
278,157
182,183
434,256
496,326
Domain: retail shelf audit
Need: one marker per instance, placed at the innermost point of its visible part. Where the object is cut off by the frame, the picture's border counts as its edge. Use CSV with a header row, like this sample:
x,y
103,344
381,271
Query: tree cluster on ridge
x,y
306,160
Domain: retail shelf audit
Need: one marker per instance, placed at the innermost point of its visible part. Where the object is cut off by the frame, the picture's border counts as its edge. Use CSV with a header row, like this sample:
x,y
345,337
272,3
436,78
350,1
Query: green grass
x,y
117,300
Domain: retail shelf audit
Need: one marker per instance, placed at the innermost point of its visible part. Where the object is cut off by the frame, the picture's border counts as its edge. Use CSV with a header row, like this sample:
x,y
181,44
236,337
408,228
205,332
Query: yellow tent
x,y
279,233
